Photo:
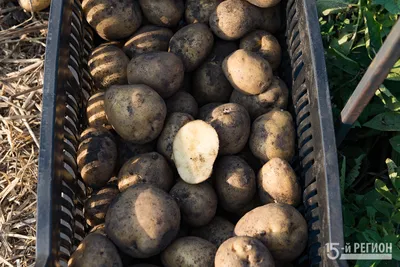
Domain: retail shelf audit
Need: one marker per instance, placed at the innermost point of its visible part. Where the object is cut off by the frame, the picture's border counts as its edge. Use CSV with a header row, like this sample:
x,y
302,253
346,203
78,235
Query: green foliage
x,y
352,33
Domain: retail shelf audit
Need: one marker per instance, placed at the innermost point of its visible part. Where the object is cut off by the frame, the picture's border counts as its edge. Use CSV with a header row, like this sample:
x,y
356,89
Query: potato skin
x,y
264,3
206,110
232,123
97,204
127,150
277,182
172,125
280,227
97,156
182,102
243,251
148,38
107,65
270,19
118,20
273,136
143,220
199,11
198,202
165,13
209,81
276,96
136,112
150,168
216,231
235,182
95,250
192,44
95,112
37,5
189,251
232,19
247,72
265,44
162,71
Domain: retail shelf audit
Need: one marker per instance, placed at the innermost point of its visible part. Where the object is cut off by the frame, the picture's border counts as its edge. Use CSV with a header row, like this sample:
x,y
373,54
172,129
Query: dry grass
x,y
22,47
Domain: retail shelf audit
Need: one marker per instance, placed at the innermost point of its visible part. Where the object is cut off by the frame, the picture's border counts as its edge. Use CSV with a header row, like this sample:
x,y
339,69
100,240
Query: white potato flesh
x,y
195,149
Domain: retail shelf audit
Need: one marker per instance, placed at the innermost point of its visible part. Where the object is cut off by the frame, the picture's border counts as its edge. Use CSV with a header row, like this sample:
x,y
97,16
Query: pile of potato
x,y
188,143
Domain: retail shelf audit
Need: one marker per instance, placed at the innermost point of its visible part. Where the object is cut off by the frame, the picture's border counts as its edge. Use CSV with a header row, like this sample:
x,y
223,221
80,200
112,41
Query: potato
x,y
162,71
247,72
127,150
107,65
265,44
172,125
198,202
209,81
195,149
243,251
112,19
192,44
144,265
232,123
189,251
143,220
182,102
96,205
273,136
148,38
95,250
136,112
264,3
99,229
254,203
97,156
163,12
232,19
276,96
95,112
280,227
34,5
277,182
200,10
270,19
235,182
150,168
206,110
216,231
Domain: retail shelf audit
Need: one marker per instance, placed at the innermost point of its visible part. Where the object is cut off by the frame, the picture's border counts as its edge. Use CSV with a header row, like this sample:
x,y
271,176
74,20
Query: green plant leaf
x,y
393,6
394,174
371,236
373,34
394,74
395,143
370,197
394,240
341,61
362,224
388,121
326,7
382,188
383,207
367,263
355,171
390,101
396,217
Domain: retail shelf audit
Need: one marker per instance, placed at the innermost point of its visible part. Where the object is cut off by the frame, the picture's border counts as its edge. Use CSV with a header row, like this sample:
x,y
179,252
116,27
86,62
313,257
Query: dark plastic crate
x,y
67,85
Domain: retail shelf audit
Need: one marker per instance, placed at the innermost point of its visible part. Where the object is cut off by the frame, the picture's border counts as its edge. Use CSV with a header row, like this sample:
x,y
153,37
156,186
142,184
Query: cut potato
x,y
195,150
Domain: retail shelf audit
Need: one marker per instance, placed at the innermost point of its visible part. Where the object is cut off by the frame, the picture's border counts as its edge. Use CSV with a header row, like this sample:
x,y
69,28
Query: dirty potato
x,y
162,71
165,13
143,220
149,168
95,112
264,3
182,102
96,205
112,19
273,136
248,72
34,5
107,65
136,112
192,44
148,38
199,11
277,182
198,202
216,231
